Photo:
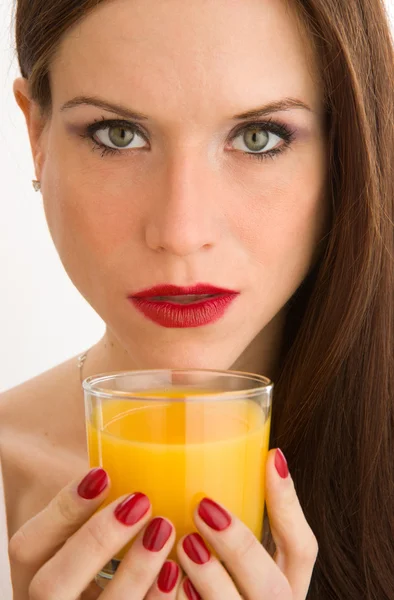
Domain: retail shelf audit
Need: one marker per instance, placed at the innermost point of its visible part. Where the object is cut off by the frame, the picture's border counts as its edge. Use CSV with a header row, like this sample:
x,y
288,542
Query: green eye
x,y
120,136
256,139
116,136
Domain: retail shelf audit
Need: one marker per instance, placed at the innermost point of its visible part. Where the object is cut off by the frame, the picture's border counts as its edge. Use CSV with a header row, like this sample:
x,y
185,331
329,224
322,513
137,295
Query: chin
x,y
179,355
179,349
202,360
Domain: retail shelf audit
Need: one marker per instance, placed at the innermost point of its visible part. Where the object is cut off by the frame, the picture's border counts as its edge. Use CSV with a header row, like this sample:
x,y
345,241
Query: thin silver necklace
x,y
81,362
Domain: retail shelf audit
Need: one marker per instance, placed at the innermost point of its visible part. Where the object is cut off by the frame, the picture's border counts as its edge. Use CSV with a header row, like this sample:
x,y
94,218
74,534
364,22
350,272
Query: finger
x,y
41,536
187,591
254,571
92,592
209,577
296,545
142,563
167,584
71,570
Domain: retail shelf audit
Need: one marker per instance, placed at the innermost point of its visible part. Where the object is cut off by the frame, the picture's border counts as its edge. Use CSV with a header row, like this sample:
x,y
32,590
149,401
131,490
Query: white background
x,y
43,318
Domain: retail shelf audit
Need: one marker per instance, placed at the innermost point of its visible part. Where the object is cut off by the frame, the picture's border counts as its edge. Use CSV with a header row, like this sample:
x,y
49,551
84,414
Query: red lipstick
x,y
173,306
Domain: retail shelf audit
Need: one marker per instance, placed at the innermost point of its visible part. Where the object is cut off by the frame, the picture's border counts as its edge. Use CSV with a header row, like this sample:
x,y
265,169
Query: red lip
x,y
169,314
174,290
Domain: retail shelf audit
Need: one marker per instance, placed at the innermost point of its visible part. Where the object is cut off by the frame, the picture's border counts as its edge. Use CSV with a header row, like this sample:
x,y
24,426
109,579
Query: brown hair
x,y
333,413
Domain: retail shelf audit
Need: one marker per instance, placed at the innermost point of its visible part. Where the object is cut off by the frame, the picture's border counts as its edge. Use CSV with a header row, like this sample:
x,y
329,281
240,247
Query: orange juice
x,y
177,451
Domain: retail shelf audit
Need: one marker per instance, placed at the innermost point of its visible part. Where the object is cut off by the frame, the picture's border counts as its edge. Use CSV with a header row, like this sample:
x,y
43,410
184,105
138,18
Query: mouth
x,y
185,299
175,307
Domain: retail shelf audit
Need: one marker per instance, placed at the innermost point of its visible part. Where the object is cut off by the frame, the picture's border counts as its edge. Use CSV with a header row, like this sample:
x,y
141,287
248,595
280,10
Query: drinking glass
x,y
179,435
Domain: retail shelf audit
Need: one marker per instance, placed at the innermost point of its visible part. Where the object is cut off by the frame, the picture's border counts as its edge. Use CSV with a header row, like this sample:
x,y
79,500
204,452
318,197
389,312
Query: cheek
x,y
94,237
285,223
89,209
86,224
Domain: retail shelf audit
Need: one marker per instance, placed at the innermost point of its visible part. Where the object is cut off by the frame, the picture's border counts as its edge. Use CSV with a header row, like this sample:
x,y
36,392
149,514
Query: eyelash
x,y
270,125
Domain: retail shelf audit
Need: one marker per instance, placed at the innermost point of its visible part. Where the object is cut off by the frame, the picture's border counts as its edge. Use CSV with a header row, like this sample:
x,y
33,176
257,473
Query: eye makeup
x,y
279,129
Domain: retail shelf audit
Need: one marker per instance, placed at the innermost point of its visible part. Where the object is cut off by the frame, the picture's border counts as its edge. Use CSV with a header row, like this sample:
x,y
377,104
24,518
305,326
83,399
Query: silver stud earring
x,y
36,185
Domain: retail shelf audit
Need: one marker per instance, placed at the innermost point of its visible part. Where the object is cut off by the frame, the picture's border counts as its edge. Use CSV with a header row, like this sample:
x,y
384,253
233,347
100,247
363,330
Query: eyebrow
x,y
277,106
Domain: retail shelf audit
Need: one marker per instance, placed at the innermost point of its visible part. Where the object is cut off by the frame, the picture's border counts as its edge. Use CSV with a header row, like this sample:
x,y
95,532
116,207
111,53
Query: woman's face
x,y
191,194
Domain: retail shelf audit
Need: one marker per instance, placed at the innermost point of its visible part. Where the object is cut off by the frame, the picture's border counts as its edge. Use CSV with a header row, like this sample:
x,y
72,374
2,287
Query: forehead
x,y
194,56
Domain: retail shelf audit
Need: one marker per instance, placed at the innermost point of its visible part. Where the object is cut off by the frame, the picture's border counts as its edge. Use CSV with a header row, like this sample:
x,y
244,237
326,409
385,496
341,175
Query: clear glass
x,y
180,435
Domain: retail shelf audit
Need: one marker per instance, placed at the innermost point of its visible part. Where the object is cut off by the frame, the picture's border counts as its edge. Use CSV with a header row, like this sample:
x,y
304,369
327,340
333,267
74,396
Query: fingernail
x,y
214,515
281,464
156,534
168,577
190,590
195,548
132,509
93,484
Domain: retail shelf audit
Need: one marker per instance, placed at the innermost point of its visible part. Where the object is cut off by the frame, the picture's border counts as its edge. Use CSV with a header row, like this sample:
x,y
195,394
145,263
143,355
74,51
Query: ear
x,y
34,120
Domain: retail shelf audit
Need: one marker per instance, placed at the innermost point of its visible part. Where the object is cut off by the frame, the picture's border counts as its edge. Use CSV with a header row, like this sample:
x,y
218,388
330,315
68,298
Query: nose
x,y
183,216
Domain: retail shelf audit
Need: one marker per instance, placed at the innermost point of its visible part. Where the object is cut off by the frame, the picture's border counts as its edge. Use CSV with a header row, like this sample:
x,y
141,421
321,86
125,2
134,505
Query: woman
x,y
183,105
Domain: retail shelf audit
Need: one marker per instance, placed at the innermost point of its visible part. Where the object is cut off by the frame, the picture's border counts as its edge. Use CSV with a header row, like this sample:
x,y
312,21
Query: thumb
x,y
296,545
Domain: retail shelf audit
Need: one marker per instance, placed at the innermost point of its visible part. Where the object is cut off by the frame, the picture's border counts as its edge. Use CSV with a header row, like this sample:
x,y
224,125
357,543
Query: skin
x,y
186,205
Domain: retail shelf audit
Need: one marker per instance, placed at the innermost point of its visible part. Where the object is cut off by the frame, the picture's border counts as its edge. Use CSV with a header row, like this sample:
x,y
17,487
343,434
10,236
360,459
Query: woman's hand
x,y
249,570
56,555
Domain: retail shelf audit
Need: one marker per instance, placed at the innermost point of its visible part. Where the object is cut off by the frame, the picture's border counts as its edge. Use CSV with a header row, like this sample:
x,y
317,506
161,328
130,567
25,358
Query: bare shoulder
x,y
19,404
42,439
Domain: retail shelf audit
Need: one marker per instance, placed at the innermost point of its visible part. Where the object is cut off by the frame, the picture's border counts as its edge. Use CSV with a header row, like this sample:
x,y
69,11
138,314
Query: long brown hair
x,y
333,413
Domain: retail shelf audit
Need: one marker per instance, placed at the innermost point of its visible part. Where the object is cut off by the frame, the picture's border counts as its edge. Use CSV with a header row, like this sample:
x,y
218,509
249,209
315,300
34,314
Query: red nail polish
x,y
214,515
156,534
281,464
93,484
168,577
190,590
132,509
195,548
